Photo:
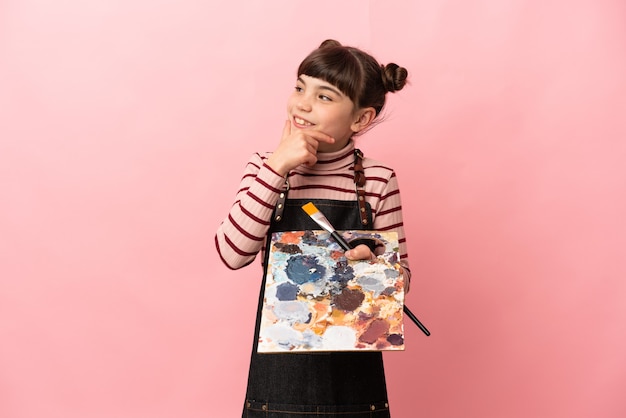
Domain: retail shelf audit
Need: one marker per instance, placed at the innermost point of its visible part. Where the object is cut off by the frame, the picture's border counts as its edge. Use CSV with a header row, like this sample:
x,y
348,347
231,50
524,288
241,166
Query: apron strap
x,y
280,203
359,184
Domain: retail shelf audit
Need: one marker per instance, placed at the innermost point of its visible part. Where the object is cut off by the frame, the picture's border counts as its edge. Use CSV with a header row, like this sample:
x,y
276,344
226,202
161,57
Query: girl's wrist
x,y
277,166
272,169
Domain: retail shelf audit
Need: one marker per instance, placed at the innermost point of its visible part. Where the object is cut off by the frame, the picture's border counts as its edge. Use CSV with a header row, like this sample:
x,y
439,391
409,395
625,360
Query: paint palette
x,y
317,300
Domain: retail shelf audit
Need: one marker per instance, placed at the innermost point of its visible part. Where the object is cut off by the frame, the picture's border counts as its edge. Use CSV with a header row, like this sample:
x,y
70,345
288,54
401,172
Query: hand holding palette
x,y
317,300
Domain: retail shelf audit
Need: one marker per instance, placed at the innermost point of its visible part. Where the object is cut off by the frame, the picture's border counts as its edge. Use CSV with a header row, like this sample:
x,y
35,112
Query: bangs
x,y
336,66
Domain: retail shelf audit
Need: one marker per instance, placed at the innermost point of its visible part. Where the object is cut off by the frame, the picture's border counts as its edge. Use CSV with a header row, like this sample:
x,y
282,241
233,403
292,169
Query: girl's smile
x,y
301,123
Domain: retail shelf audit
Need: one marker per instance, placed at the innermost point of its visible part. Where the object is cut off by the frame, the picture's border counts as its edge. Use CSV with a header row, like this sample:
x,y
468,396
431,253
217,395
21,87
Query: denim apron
x,y
319,384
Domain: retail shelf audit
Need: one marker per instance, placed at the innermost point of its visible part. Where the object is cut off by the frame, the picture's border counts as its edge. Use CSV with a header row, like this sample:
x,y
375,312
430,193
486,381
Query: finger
x,y
321,137
360,252
286,129
311,160
311,144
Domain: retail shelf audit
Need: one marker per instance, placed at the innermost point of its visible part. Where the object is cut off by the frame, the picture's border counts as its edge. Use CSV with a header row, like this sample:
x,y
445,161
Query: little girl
x,y
339,93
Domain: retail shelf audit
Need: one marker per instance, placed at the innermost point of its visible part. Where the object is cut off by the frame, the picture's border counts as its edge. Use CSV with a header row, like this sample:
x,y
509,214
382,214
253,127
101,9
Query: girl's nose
x,y
304,104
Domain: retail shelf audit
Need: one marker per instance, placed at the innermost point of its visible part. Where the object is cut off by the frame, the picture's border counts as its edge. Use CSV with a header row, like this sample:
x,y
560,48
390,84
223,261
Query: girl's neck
x,y
332,155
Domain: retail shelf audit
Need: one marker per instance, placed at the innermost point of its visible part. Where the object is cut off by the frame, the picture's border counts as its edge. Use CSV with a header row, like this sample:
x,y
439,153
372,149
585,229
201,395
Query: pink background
x,y
124,130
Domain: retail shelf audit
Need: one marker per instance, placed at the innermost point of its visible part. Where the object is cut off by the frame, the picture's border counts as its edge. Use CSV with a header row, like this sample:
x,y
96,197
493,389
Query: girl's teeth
x,y
302,121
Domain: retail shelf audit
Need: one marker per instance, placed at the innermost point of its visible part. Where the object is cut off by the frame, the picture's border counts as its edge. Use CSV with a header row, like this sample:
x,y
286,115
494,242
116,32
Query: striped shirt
x,y
242,234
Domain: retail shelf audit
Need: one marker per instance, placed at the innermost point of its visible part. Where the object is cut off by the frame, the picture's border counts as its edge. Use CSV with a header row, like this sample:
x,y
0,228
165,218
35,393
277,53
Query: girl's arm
x,y
389,218
242,234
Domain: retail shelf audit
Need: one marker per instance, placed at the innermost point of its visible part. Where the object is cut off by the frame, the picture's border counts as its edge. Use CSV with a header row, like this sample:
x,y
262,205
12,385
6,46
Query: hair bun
x,y
329,43
394,77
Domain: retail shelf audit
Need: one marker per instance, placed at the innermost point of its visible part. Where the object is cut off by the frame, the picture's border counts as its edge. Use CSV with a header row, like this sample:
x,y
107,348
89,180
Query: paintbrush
x,y
321,220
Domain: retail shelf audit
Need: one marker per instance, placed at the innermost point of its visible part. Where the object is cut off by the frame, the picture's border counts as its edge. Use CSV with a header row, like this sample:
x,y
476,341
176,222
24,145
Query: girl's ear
x,y
365,117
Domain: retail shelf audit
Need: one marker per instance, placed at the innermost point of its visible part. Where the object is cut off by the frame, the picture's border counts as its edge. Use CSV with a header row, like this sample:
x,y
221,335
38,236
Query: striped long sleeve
x,y
242,234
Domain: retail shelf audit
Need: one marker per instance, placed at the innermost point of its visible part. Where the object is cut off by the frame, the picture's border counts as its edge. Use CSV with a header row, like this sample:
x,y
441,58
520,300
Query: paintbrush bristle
x,y
310,209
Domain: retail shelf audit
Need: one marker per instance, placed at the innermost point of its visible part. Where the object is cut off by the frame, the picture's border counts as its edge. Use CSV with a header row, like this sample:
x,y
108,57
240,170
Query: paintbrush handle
x,y
342,242
421,326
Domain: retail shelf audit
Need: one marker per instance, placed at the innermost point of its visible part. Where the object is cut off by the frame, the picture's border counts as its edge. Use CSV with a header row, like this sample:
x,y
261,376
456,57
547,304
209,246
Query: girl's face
x,y
318,105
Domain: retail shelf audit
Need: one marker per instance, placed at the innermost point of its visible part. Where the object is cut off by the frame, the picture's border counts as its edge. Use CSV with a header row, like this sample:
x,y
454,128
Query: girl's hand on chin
x,y
296,147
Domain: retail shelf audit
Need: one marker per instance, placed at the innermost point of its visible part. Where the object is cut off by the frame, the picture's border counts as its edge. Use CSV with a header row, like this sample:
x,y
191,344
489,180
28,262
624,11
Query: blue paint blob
x,y
391,273
304,268
372,284
292,312
286,291
343,272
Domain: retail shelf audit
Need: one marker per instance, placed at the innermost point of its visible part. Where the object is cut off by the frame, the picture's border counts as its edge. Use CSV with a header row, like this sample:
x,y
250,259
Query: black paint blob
x,y
343,272
395,339
288,248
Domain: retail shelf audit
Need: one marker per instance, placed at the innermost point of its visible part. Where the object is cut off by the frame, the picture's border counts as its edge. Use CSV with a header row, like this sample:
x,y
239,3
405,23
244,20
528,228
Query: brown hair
x,y
356,73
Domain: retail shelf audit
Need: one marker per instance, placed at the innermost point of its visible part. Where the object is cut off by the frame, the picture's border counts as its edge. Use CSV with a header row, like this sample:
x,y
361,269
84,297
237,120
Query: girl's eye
x,y
325,98
299,89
